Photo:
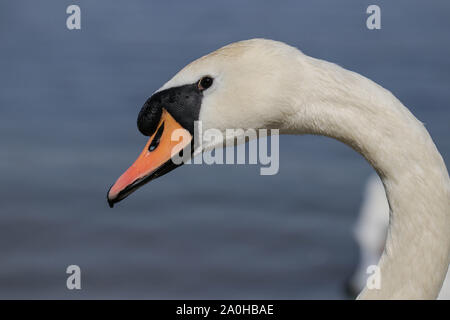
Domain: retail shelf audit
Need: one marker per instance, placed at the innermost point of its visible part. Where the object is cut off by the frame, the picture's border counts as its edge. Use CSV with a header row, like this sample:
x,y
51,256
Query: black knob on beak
x,y
149,116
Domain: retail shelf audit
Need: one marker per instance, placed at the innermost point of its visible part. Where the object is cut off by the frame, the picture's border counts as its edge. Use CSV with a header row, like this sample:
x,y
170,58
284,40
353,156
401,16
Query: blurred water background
x,y
68,106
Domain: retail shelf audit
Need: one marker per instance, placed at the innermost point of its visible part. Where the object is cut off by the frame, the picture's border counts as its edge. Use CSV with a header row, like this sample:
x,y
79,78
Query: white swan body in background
x,y
370,234
263,84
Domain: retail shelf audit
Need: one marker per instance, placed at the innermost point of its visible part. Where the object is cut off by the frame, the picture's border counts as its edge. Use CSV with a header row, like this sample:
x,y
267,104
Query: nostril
x,y
156,139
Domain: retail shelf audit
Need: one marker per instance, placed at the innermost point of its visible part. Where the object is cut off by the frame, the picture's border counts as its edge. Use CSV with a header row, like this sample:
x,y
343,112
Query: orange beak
x,y
155,160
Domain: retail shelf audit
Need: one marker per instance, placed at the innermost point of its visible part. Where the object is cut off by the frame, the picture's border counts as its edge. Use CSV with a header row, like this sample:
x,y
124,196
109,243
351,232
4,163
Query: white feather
x,y
267,84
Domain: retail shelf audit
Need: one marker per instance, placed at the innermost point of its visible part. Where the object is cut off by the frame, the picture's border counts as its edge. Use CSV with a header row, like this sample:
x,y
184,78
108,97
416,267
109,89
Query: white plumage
x,y
370,233
267,84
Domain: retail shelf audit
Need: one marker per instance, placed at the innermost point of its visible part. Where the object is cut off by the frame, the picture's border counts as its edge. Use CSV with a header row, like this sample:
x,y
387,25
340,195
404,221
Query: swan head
x,y
245,85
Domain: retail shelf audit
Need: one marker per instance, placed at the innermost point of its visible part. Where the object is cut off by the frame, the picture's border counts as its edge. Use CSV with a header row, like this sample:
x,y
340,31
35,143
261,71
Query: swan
x,y
268,84
370,234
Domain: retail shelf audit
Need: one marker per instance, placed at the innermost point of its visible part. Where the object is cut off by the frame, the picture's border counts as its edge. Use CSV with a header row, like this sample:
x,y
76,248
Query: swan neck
x,y
368,118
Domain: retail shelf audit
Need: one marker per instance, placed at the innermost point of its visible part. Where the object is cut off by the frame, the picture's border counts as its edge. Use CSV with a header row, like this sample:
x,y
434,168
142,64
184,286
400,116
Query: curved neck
x,y
350,108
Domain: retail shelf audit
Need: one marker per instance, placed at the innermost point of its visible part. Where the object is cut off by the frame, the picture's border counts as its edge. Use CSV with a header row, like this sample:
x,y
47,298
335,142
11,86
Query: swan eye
x,y
205,83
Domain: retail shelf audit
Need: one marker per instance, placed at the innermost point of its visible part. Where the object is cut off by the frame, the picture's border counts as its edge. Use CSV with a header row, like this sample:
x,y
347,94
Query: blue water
x,y
68,107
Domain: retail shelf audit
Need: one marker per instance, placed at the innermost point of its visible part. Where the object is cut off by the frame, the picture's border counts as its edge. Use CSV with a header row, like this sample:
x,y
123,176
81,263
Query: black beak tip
x,y
110,202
